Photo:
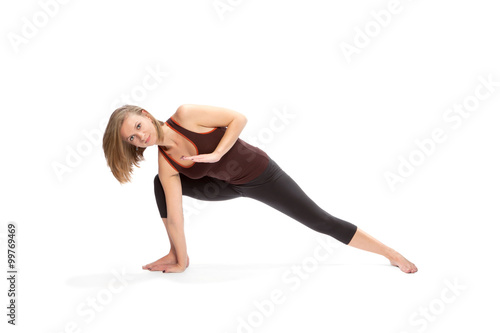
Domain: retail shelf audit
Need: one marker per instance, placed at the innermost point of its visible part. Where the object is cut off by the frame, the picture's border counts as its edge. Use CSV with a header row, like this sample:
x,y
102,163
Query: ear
x,y
146,113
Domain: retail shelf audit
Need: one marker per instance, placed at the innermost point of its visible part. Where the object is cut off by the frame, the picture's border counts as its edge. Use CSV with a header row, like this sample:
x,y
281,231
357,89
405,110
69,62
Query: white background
x,y
349,122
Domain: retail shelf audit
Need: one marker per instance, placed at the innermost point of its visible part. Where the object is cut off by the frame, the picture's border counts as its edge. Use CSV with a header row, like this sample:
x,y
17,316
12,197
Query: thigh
x,y
208,188
205,188
281,192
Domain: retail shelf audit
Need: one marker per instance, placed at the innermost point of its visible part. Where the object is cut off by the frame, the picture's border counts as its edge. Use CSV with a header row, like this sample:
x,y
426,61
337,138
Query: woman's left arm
x,y
212,116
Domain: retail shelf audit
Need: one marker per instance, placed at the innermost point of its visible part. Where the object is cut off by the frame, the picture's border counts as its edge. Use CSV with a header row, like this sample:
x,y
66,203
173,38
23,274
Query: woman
x,y
201,156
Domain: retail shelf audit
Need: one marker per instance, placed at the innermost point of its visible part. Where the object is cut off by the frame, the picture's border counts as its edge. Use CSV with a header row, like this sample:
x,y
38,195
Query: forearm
x,y
172,248
231,135
175,230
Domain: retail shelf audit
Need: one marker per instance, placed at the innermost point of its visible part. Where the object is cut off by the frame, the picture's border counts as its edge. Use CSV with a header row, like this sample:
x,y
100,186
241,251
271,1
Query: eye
x,y
132,136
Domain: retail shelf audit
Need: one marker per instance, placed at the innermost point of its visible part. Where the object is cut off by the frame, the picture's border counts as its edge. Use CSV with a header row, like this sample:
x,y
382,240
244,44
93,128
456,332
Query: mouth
x,y
147,140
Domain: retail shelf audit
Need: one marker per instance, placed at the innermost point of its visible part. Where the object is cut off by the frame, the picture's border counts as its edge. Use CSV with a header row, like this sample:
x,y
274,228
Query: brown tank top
x,y
241,164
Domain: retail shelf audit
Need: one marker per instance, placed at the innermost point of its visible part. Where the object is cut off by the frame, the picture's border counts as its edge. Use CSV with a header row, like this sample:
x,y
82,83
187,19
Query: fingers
x,y
202,158
166,268
194,158
153,267
159,267
170,269
174,269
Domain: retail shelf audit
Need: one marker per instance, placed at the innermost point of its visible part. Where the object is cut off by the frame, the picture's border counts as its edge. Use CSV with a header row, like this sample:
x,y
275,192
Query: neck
x,y
167,140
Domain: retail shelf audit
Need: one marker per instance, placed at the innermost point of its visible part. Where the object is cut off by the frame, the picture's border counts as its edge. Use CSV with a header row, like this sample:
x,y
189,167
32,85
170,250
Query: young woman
x,y
201,156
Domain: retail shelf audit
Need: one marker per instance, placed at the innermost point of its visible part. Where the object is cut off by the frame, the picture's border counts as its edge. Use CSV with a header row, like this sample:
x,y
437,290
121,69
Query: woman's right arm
x,y
171,183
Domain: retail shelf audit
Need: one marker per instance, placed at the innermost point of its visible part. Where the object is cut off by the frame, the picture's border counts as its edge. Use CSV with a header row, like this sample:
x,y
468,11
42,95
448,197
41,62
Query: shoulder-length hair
x,y
120,155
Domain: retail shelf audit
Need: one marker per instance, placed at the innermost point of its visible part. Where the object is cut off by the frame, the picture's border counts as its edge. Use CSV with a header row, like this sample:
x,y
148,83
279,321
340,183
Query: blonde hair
x,y
120,155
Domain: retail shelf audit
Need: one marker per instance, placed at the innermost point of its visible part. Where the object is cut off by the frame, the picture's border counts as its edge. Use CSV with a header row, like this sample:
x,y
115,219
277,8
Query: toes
x,y
412,269
148,266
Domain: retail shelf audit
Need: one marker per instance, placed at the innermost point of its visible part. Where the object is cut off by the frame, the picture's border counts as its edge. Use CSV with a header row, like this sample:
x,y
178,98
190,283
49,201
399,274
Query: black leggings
x,y
274,188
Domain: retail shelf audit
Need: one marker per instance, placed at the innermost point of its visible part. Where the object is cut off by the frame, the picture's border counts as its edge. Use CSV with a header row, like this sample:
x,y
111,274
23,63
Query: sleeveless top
x,y
241,164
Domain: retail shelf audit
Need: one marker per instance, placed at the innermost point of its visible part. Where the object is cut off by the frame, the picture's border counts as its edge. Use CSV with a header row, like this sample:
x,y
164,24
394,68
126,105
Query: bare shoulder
x,y
182,112
191,117
184,116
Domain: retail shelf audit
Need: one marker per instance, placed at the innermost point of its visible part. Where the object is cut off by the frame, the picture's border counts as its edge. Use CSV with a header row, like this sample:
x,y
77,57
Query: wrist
x,y
181,266
218,154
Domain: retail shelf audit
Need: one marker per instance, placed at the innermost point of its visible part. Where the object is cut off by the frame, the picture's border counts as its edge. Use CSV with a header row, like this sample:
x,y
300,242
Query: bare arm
x,y
171,184
212,116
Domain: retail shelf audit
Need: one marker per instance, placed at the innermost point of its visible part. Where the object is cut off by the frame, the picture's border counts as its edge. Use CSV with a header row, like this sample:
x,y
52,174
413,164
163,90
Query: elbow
x,y
175,219
242,119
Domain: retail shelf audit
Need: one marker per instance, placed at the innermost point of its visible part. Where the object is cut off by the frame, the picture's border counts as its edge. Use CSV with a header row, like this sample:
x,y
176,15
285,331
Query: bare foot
x,y
404,264
158,265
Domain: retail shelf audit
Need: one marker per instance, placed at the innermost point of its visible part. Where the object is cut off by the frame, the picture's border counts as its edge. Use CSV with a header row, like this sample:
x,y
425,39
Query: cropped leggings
x,y
274,188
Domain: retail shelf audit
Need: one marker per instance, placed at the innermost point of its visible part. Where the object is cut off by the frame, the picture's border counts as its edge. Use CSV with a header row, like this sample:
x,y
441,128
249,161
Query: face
x,y
139,131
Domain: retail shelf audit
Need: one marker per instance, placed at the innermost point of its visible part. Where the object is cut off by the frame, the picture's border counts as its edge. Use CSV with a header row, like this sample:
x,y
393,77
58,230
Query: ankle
x,y
390,253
